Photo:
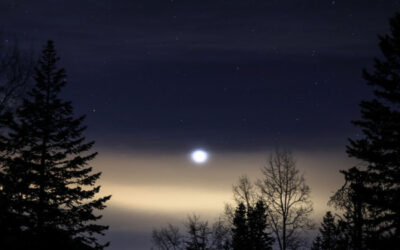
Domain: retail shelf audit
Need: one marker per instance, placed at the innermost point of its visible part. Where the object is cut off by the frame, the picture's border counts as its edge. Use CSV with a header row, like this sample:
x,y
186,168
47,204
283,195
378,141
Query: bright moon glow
x,y
199,156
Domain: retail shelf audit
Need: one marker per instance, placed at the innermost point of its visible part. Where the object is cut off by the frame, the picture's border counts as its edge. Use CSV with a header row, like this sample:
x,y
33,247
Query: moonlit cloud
x,y
170,186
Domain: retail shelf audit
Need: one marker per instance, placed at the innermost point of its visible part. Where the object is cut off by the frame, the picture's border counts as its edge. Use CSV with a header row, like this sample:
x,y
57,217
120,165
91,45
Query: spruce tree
x,y
250,228
328,234
257,222
379,148
328,231
317,245
49,189
240,230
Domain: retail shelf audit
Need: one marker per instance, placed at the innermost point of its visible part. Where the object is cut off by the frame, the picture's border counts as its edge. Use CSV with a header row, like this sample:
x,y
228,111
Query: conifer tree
x,y
328,231
49,188
379,149
328,234
250,228
259,238
317,245
240,229
351,199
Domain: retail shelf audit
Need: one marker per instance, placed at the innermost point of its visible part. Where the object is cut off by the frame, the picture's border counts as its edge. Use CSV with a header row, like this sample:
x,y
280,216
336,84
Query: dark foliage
x,y
249,230
371,195
317,245
240,229
328,231
329,234
351,198
47,188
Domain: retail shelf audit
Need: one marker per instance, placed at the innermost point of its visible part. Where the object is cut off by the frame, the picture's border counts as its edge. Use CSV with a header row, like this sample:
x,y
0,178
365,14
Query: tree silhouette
x,y
16,68
378,150
243,192
240,230
249,230
257,221
168,238
221,236
198,236
287,197
329,234
353,226
47,185
317,245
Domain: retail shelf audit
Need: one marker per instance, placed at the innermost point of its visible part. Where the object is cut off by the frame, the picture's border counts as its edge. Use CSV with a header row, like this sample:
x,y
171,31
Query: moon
x,y
199,156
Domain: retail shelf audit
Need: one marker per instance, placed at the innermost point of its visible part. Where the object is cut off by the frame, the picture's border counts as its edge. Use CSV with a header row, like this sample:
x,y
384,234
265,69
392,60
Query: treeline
x,y
274,211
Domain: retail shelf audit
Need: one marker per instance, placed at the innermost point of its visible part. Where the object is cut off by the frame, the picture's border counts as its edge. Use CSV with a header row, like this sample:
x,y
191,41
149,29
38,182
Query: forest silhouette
x,y
49,196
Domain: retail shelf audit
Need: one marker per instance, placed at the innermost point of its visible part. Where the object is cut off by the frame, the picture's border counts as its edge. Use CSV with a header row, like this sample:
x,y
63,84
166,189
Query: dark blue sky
x,y
160,77
223,73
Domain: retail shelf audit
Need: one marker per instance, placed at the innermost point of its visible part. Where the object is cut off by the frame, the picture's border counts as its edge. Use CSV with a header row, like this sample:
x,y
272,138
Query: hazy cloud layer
x,y
151,190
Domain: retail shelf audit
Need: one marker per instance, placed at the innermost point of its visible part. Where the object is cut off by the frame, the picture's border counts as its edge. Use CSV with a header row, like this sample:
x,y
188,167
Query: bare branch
x,y
287,196
16,69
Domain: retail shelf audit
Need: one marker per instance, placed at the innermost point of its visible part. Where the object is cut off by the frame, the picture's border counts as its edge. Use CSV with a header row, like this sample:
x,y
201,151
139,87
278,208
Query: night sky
x,y
158,79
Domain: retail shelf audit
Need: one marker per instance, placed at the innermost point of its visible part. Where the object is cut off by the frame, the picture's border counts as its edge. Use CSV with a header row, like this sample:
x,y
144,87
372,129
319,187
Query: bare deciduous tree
x,y
198,236
168,238
16,68
243,192
221,236
285,192
198,233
